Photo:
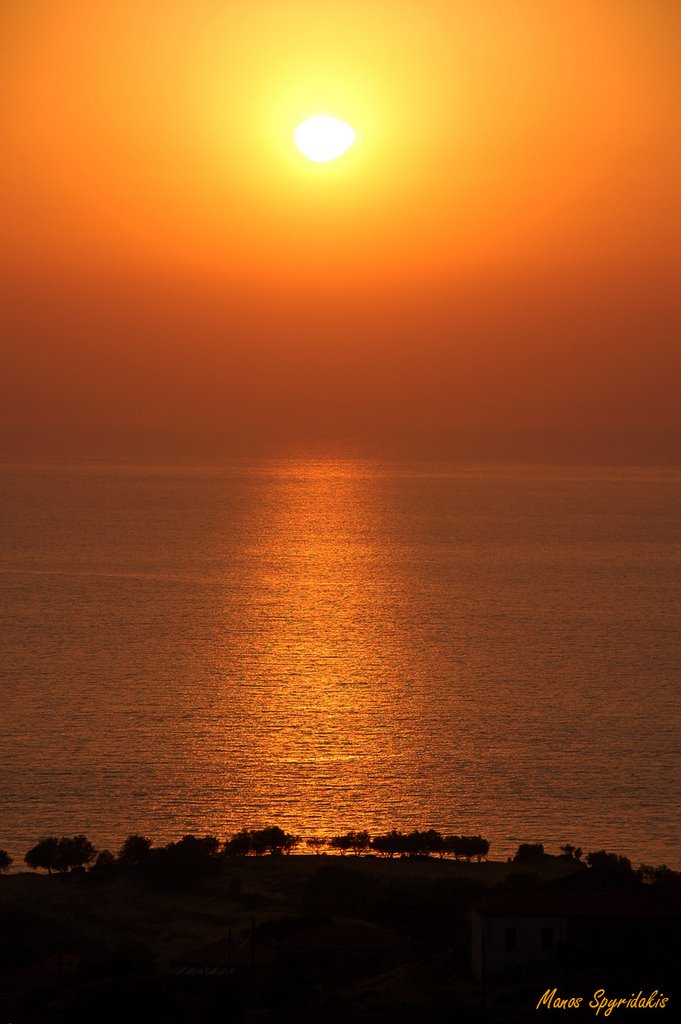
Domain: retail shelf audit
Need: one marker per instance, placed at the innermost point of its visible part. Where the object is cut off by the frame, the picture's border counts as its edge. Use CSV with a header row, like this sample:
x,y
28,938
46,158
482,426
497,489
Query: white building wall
x,y
488,935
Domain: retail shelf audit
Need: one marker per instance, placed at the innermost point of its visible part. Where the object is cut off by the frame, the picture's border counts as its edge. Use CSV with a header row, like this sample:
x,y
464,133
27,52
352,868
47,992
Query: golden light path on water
x,y
340,725
328,729
327,645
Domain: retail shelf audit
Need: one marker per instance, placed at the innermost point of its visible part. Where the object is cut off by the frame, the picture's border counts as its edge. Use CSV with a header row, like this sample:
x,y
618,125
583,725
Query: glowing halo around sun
x,y
322,138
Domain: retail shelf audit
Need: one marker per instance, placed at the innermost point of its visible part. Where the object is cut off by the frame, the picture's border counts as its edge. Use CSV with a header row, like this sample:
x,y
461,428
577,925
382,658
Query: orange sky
x,y
491,272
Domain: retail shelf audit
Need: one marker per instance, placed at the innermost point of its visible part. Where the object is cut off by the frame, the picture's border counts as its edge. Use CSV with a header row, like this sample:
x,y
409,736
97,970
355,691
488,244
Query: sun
x,y
322,138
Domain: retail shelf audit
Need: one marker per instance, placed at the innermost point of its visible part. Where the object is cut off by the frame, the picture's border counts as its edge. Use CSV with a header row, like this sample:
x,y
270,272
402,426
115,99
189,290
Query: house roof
x,y
635,903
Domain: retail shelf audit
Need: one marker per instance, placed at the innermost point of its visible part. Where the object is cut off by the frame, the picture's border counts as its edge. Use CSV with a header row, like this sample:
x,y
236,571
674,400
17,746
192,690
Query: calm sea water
x,y
325,645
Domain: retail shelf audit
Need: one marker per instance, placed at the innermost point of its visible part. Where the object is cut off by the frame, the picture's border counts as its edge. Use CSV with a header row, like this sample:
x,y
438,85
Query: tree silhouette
x,y
76,852
456,845
196,849
60,854
5,860
434,842
360,841
613,863
134,850
661,876
353,840
479,847
389,844
272,840
104,861
45,854
467,847
529,853
422,844
316,843
340,843
192,858
240,844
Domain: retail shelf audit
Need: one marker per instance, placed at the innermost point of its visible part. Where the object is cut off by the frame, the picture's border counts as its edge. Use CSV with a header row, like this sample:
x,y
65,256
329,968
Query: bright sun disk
x,y
323,138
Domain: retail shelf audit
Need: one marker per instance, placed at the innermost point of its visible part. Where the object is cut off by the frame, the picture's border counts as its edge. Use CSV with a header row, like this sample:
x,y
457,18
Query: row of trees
x,y
194,856
613,864
406,844
67,853
534,853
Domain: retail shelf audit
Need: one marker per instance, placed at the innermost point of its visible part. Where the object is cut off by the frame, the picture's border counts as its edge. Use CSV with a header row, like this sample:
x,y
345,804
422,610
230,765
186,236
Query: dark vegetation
x,y
118,938
195,857
61,855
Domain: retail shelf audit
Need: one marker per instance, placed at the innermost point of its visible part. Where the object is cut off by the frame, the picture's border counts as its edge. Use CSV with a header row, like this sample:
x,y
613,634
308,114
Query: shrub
x,y
529,853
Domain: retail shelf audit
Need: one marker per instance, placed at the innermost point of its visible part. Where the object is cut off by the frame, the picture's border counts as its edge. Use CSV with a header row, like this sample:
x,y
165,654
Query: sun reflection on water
x,y
336,644
318,613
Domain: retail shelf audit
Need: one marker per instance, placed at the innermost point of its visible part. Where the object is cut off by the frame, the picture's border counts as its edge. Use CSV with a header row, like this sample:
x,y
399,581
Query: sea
x,y
327,643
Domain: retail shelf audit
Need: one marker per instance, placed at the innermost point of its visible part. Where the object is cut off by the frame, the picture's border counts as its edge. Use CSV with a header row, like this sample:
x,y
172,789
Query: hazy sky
x,y
491,272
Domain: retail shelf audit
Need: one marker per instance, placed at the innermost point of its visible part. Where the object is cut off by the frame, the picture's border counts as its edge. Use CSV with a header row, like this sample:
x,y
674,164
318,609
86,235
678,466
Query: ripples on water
x,y
328,645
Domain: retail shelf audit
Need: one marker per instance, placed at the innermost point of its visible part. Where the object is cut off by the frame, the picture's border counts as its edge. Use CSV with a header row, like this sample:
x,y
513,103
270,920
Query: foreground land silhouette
x,y
200,930
194,857
74,852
